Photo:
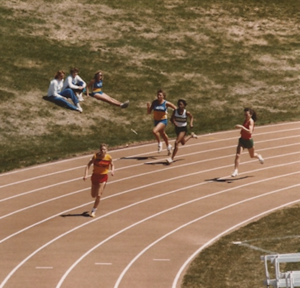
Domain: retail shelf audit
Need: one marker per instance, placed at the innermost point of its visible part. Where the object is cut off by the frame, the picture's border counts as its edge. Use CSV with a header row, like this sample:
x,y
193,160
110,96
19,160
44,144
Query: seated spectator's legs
x,y
62,101
68,93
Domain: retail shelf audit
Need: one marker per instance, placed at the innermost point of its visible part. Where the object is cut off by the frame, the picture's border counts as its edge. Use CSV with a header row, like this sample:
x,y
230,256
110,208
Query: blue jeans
x,y
67,93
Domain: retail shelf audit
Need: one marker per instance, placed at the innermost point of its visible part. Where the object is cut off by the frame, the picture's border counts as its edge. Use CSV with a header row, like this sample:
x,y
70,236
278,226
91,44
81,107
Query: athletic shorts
x,y
92,94
99,178
246,144
164,121
178,130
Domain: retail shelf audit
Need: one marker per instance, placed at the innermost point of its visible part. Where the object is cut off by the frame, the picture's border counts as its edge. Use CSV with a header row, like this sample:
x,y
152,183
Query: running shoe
x,y
159,148
194,135
169,160
93,214
169,149
79,108
235,173
125,104
79,96
260,159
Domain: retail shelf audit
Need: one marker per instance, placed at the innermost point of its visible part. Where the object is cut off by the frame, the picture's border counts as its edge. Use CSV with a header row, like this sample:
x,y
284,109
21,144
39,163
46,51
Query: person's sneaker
x,y
79,96
125,104
260,159
169,160
169,149
79,108
235,173
159,148
194,135
93,214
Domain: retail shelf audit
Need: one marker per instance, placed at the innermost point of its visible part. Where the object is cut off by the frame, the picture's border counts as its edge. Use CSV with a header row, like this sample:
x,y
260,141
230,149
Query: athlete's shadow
x,y
227,180
84,214
162,162
139,158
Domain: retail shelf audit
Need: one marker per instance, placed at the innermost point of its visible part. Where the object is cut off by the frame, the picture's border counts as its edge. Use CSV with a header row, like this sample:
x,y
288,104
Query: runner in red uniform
x,y
101,162
246,141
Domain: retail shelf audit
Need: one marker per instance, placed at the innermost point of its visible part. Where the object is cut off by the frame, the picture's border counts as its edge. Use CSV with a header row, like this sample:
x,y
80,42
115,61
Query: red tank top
x,y
244,134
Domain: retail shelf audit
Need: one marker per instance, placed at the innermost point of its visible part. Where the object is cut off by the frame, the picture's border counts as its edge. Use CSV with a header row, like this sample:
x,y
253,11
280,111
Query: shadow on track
x,y
84,214
227,180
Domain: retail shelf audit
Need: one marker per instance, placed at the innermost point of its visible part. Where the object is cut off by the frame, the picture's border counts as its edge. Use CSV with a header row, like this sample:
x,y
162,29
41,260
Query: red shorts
x,y
99,178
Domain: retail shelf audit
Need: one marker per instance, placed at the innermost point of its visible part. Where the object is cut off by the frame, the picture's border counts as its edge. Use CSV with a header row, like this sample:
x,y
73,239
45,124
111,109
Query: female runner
x,y
101,161
159,107
179,119
246,141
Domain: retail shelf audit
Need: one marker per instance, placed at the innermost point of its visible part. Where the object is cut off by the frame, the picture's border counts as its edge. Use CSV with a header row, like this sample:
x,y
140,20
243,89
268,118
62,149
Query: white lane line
x,y
130,206
159,170
189,260
160,213
154,183
186,146
194,221
134,189
145,145
41,176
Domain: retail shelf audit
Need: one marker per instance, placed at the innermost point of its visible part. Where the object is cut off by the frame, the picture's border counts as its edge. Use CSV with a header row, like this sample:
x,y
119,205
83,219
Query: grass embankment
x,y
219,55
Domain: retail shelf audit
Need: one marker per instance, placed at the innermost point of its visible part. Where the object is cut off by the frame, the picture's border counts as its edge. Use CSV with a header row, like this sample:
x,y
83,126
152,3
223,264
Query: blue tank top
x,y
97,87
159,110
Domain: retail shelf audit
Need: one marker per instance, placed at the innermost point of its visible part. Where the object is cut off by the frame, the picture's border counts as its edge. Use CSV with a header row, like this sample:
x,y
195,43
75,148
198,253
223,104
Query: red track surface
x,y
153,218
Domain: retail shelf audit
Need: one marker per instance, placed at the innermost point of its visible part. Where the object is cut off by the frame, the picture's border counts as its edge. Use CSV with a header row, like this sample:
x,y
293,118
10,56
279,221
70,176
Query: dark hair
x,y
182,101
252,113
161,91
74,70
97,73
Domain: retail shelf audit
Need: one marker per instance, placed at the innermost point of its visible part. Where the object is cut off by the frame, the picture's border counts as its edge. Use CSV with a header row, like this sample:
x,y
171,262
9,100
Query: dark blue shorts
x,y
164,121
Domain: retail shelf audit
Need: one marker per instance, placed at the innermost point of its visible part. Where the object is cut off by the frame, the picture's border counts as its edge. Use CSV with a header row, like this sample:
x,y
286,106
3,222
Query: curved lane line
x,y
126,207
158,170
186,263
196,144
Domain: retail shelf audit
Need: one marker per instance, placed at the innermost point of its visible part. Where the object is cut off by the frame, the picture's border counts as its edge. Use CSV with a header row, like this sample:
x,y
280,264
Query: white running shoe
x,y
159,149
235,173
169,160
260,159
169,149
125,104
194,135
93,214
79,108
79,96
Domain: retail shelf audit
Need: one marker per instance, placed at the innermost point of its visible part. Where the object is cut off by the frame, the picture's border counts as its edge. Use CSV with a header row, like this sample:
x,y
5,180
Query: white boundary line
x,y
147,185
186,263
134,189
159,170
129,206
175,230
150,144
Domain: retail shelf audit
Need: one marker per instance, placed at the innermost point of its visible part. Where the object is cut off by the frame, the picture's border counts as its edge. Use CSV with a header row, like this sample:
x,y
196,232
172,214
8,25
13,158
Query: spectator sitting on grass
x,y
75,82
56,95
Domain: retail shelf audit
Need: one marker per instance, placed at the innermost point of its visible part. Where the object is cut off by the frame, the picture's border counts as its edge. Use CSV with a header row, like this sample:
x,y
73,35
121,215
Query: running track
x,y
153,218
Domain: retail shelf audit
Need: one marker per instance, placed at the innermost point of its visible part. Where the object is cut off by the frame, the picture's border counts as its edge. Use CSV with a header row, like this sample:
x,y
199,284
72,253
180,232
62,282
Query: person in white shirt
x,y
75,82
56,95
179,119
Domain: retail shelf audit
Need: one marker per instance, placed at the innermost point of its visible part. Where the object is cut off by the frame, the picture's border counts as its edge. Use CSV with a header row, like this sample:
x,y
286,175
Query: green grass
x,y
219,55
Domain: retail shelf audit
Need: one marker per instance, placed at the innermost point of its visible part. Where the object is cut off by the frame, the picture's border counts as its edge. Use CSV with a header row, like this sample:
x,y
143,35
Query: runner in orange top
x,y
246,141
101,162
